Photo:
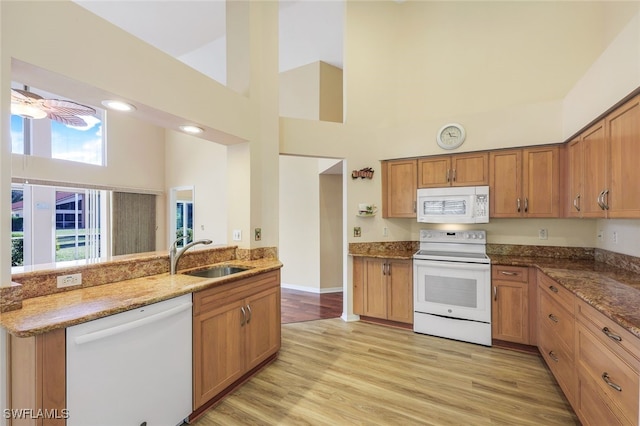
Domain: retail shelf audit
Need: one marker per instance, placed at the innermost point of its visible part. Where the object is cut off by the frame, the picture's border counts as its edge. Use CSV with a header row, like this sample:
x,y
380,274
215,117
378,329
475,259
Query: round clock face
x,y
451,136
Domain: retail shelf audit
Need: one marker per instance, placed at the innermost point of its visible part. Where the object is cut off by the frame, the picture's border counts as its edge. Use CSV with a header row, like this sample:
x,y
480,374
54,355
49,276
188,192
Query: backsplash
x,y
540,251
27,285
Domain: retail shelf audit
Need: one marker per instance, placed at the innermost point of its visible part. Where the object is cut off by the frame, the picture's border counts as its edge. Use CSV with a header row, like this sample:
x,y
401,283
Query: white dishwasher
x,y
132,368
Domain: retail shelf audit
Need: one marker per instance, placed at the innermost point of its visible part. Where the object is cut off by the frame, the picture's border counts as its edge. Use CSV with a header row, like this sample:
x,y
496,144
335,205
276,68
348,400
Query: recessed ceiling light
x,y
194,130
118,105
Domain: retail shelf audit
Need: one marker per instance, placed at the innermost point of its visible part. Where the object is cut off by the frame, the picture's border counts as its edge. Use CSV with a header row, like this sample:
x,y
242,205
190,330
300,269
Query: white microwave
x,y
463,204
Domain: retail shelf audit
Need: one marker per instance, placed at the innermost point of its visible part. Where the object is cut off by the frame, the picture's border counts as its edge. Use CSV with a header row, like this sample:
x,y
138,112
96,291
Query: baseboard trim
x,y
311,289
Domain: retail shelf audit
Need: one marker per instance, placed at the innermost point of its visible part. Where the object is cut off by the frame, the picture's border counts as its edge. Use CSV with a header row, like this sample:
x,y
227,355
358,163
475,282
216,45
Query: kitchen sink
x,y
217,271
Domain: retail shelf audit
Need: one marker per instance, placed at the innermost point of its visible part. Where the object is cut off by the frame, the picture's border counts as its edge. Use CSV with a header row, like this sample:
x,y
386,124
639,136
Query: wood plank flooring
x,y
330,372
299,306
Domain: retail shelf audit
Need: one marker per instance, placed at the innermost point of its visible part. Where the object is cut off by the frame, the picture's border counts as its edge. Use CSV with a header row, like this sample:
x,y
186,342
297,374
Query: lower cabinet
x,y
510,304
37,378
595,361
236,327
383,288
608,364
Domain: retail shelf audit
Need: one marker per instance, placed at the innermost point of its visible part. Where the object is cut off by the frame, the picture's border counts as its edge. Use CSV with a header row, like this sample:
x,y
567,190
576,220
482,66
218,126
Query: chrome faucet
x,y
175,255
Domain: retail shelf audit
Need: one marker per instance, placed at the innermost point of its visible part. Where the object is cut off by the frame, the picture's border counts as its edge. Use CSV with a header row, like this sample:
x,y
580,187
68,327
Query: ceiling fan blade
x,y
68,107
24,96
70,120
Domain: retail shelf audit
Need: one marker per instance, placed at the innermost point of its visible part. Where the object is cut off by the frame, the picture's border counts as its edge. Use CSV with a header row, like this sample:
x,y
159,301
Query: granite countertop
x,y
612,290
42,314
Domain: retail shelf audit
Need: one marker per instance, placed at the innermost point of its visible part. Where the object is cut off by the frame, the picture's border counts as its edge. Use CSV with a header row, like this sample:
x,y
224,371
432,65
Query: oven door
x,y
452,289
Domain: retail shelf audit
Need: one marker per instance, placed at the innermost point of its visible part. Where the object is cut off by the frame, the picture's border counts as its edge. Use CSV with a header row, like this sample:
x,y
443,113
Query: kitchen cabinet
x,y
236,327
602,162
37,377
399,188
525,182
454,170
510,304
608,365
383,288
556,325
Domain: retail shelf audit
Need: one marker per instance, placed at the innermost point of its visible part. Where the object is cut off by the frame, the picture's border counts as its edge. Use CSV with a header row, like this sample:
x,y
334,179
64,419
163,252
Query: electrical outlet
x,y
385,232
237,235
258,234
542,234
69,280
614,237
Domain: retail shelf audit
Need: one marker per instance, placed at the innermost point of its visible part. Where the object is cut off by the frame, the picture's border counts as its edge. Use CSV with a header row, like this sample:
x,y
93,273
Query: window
x,y
184,221
51,225
49,138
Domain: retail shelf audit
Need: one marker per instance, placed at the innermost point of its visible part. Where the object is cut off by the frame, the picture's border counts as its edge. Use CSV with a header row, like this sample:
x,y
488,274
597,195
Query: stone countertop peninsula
x,y
386,250
610,282
59,310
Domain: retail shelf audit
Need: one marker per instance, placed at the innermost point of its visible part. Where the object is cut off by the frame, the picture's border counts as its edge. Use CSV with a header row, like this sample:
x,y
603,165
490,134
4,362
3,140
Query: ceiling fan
x,y
28,104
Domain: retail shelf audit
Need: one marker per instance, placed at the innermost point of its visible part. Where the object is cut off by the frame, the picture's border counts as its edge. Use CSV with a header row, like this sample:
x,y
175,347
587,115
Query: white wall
x,y
299,248
195,162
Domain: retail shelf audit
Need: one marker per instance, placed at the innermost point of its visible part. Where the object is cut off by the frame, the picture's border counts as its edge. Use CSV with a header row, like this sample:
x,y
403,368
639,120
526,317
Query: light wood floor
x,y
334,373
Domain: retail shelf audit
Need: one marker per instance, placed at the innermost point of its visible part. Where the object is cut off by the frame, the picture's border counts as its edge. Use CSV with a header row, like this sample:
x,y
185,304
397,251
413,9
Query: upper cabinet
x,y
454,170
603,174
525,182
399,188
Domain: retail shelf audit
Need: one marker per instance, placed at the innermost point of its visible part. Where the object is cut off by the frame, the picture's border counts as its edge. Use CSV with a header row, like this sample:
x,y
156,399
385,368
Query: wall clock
x,y
451,136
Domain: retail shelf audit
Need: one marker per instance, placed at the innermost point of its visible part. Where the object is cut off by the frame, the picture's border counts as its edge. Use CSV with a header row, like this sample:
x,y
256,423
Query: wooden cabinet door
x,y
375,289
434,172
510,311
358,285
623,131
594,175
574,185
505,183
400,291
399,188
470,169
218,348
541,182
262,326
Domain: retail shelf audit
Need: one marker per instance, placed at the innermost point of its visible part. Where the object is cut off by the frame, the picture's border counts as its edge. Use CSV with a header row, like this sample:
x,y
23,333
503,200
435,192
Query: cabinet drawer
x,y
591,409
613,378
559,360
613,336
558,319
556,291
510,273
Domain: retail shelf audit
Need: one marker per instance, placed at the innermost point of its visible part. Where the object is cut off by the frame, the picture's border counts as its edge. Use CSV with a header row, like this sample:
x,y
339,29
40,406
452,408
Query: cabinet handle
x,y
244,316
526,205
448,172
454,175
415,206
250,314
518,204
509,273
553,318
389,269
611,335
384,269
607,380
553,356
553,288
605,206
599,201
576,202
495,293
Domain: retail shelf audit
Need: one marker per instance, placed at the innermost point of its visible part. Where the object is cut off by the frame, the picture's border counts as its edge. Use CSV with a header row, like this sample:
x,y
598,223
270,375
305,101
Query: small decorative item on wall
x,y
366,210
367,172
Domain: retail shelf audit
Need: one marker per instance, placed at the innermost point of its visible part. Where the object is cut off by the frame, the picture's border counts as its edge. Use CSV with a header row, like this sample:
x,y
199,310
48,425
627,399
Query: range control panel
x,y
437,236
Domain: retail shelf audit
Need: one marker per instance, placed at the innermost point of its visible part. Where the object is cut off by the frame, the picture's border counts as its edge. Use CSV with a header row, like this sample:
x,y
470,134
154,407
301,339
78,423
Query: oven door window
x,y
452,289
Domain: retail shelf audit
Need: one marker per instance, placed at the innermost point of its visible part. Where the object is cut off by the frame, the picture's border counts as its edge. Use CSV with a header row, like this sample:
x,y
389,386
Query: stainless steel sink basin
x,y
217,271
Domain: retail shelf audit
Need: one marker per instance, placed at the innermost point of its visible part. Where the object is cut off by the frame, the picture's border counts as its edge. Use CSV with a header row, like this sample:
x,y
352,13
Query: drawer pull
x,y
610,335
607,380
553,288
509,273
553,356
553,318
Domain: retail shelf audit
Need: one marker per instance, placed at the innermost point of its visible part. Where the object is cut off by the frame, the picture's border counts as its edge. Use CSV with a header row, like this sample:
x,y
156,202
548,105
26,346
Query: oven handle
x,y
452,265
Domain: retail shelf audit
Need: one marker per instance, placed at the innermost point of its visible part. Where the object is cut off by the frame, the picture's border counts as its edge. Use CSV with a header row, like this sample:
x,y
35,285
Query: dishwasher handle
x,y
119,329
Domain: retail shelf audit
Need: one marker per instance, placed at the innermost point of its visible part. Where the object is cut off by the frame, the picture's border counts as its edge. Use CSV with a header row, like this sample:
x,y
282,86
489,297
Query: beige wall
x,y
330,93
331,258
